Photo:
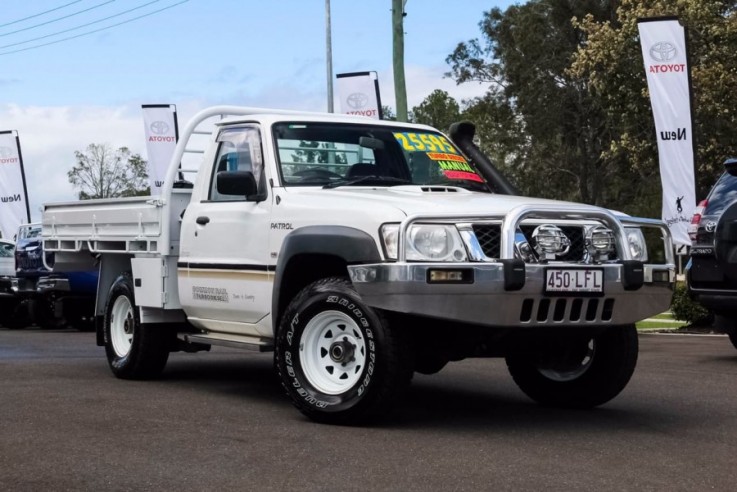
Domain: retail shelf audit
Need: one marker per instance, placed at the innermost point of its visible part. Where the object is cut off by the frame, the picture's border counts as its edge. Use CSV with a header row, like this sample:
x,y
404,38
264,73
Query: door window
x,y
239,149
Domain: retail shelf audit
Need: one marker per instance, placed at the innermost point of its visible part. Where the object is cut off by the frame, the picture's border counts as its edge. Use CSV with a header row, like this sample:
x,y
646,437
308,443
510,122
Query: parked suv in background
x,y
712,270
54,300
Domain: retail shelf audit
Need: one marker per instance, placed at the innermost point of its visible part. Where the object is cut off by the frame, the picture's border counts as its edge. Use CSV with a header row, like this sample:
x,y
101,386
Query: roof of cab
x,y
269,116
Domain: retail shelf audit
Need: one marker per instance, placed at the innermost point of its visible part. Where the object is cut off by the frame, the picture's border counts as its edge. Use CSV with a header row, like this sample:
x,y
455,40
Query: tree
x,y
101,172
567,113
438,109
611,61
388,114
554,132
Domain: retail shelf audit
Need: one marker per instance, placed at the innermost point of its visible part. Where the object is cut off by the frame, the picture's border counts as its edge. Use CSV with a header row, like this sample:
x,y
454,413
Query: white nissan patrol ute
x,y
361,251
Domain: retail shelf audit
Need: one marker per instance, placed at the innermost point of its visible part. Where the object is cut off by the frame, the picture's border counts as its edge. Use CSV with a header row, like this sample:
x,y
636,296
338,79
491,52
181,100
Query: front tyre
x,y
728,324
582,372
133,351
338,359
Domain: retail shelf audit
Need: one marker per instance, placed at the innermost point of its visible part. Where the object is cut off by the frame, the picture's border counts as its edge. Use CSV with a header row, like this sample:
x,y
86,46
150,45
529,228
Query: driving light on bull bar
x,y
550,241
599,242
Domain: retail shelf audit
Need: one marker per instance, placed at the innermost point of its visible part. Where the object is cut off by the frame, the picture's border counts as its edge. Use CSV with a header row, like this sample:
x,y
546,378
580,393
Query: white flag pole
x,y
358,93
14,207
664,52
162,133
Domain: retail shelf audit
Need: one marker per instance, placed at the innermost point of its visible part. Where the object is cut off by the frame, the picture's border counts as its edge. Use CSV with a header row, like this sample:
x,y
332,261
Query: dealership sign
x,y
663,43
160,126
358,93
14,209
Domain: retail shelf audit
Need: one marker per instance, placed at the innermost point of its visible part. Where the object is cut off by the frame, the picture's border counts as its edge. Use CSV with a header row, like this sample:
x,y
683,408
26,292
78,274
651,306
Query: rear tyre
x,y
15,314
44,314
727,323
338,359
80,316
134,351
733,338
582,373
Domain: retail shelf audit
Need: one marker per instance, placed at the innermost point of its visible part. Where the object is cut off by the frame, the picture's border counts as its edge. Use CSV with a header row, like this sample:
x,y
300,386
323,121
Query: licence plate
x,y
575,280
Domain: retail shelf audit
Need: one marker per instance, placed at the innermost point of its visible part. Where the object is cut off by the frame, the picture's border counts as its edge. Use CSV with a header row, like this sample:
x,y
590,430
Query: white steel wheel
x,y
571,367
122,323
332,352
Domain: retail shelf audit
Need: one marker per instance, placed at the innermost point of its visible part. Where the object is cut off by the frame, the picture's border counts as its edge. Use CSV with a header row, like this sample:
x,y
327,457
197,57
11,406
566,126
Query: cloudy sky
x,y
77,72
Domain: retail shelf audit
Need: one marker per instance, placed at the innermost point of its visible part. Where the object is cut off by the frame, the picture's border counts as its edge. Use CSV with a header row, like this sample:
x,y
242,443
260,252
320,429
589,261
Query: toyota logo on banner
x,y
663,51
7,155
357,100
159,127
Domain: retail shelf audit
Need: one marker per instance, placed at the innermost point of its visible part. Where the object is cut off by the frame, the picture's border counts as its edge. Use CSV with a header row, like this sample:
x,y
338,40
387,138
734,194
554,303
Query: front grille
x,y
28,261
489,238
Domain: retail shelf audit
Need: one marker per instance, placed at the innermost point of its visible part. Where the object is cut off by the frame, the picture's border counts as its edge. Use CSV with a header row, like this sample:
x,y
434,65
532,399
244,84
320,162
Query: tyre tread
x,y
602,382
398,366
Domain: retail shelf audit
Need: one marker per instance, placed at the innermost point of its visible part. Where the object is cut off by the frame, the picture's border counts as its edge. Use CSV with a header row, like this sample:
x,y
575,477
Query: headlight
x,y
636,243
426,242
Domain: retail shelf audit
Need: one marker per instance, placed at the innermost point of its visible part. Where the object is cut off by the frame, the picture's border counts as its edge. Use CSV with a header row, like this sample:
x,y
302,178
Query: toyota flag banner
x,y
663,42
359,94
14,209
160,125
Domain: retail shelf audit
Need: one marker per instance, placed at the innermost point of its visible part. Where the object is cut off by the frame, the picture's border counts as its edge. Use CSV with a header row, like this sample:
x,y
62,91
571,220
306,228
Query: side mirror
x,y
730,165
238,183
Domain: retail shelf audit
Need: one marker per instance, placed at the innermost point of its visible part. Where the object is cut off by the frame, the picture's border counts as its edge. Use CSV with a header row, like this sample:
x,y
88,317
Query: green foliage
x,y
101,172
611,62
686,309
438,110
388,114
567,113
554,133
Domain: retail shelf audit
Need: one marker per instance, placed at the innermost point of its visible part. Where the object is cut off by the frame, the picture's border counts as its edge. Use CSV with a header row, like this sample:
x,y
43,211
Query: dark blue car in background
x,y
49,299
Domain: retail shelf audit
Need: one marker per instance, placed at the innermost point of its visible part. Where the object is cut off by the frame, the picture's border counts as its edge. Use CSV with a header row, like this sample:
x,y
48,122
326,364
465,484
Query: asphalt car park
x,y
219,421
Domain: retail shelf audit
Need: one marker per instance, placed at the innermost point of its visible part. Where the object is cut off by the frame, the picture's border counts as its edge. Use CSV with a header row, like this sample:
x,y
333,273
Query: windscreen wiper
x,y
371,177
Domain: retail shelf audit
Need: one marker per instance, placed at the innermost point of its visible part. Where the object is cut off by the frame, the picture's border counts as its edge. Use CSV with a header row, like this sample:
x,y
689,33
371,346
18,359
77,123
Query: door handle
x,y
203,220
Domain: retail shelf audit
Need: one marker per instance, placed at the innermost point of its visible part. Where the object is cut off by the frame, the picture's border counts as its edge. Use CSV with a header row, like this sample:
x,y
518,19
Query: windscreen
x,y
722,195
29,232
339,154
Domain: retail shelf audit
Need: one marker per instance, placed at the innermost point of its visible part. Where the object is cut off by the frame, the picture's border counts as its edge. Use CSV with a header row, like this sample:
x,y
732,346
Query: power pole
x,y
400,88
329,55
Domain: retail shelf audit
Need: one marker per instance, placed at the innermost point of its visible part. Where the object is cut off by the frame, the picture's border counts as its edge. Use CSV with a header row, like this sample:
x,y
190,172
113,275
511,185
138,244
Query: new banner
x,y
663,43
358,93
14,209
160,124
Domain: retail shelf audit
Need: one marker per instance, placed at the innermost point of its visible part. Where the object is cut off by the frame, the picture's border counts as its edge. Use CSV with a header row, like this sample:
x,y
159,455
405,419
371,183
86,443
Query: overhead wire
x,y
79,27
40,14
91,32
58,18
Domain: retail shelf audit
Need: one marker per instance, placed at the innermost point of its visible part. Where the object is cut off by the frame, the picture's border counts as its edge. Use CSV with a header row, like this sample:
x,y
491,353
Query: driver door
x,y
227,279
